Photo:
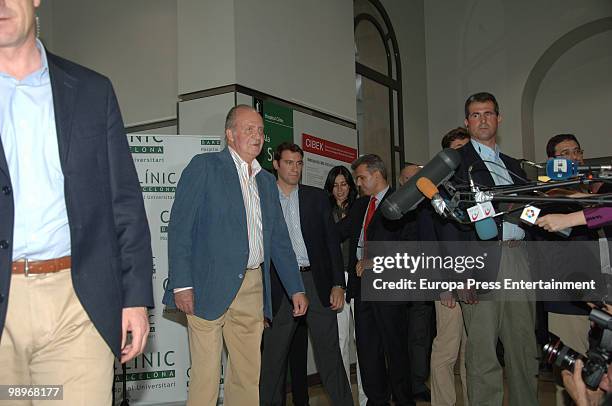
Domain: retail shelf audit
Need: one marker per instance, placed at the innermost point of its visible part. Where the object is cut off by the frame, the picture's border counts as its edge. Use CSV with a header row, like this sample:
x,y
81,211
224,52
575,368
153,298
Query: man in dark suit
x,y
381,328
315,242
492,317
75,254
420,312
226,226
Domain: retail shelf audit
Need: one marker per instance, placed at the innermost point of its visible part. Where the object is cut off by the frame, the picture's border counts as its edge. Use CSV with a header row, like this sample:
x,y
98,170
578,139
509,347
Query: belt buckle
x,y
26,267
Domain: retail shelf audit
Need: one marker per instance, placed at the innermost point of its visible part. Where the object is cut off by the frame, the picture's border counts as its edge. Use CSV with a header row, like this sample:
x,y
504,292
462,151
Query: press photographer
x,y
588,377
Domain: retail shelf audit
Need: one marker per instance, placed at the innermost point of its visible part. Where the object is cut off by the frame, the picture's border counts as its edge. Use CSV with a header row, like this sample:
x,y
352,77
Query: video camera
x,y
597,357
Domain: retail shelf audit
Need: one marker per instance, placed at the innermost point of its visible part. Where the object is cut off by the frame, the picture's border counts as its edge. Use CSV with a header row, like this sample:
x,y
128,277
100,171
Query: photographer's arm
x,y
577,389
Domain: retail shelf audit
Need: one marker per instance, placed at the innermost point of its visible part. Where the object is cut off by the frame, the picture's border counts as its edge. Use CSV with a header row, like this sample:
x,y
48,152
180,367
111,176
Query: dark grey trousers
x,y
323,327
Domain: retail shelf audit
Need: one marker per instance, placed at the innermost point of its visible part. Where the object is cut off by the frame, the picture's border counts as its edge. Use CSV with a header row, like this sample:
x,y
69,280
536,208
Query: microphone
x,y
530,215
482,216
563,168
408,197
486,229
430,191
443,207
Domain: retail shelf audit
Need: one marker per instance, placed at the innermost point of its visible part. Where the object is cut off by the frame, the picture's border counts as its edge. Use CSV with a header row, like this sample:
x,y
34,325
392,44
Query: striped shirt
x,y
250,195
252,205
291,211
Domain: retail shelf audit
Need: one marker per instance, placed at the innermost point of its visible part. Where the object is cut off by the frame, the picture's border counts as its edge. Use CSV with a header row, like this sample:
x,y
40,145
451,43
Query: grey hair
x,y
373,162
230,119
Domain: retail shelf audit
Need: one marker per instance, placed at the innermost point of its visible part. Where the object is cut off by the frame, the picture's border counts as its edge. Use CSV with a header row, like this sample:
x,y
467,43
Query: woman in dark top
x,y
342,193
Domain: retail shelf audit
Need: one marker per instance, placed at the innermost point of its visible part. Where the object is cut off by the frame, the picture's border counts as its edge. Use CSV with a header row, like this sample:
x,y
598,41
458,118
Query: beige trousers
x,y
573,330
48,339
447,348
241,327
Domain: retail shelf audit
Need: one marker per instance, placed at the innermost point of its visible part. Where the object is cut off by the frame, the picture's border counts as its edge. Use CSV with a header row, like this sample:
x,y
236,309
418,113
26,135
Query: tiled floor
x,y
546,393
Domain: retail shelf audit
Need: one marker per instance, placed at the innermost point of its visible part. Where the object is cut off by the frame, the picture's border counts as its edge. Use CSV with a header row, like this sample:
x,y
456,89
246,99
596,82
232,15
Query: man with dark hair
x,y
567,320
419,312
492,317
381,328
316,244
455,138
565,146
225,228
481,98
75,248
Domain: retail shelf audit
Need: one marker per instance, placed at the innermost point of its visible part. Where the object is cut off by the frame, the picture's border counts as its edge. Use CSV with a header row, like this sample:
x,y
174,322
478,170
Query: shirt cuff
x,y
177,290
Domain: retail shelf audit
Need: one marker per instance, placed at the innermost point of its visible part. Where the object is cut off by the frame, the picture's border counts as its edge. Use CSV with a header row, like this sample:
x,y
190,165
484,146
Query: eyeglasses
x,y
567,153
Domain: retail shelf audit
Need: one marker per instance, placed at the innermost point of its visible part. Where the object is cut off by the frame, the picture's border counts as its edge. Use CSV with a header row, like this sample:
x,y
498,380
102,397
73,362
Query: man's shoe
x,y
423,396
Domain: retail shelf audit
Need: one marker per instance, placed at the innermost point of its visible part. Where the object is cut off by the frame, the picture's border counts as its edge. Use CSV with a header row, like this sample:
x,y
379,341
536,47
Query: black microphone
x,y
408,197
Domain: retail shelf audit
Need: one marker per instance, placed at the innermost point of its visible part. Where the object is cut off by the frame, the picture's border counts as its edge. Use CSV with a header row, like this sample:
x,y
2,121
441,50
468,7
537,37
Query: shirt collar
x,y
484,150
282,194
39,76
43,58
255,166
379,196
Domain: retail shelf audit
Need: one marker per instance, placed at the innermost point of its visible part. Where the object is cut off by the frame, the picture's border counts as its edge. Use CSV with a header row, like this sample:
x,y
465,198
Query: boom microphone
x,y
563,168
408,197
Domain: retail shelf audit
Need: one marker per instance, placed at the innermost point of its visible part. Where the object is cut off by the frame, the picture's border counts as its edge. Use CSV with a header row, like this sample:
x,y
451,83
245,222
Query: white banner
x,y
161,373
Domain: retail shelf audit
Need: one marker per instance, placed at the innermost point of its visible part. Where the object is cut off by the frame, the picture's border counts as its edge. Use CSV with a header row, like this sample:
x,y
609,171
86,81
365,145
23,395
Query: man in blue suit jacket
x,y
225,227
75,253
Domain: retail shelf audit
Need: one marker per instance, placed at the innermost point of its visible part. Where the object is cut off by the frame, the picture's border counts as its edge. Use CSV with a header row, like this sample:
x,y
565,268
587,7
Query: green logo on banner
x,y
141,376
146,149
278,124
145,144
159,189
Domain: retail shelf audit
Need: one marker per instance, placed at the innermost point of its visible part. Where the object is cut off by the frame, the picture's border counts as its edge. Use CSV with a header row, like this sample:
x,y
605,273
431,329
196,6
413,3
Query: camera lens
x,y
558,354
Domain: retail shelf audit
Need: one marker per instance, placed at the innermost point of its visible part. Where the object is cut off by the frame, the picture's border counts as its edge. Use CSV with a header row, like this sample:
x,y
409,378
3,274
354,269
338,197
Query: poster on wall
x,y
278,123
326,144
161,373
322,155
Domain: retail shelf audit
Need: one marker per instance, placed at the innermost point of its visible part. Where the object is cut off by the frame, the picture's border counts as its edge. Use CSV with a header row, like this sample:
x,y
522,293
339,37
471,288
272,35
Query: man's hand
x,y
467,296
577,389
336,298
136,321
447,299
362,265
184,301
300,304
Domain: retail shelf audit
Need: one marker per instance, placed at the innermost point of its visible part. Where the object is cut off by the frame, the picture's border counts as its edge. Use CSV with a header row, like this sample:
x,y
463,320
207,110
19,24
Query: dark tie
x,y
369,215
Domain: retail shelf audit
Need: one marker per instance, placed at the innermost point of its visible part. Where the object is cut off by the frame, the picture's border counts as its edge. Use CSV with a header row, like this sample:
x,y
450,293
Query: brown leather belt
x,y
37,267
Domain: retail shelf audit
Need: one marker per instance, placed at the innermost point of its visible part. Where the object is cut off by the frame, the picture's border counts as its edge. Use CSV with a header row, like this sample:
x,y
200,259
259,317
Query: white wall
x,y
300,51
492,45
206,44
133,42
576,97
